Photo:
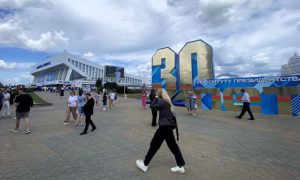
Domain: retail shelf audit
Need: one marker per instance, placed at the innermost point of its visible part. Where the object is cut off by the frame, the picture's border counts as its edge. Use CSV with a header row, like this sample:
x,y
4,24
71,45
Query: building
x,y
68,69
292,67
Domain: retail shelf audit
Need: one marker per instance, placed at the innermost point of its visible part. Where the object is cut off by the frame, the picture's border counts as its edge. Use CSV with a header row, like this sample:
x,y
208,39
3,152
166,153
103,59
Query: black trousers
x,y
246,107
88,121
161,134
154,116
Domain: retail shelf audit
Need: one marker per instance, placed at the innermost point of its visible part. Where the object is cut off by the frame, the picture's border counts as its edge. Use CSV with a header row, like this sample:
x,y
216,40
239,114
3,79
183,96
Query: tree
x,y
1,85
98,83
111,85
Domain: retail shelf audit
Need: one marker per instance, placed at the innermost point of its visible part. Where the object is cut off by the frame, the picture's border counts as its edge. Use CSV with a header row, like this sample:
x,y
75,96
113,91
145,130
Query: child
x,y
104,101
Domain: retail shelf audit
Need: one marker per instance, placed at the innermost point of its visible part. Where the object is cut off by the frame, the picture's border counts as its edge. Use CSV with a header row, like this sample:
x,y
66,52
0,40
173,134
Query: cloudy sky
x,y
248,36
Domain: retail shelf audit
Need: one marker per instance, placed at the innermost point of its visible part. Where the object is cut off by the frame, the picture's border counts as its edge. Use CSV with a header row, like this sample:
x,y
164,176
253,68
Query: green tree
x,y
1,85
111,85
98,83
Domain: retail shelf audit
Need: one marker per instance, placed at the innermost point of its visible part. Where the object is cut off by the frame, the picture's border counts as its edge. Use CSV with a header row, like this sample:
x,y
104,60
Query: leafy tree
x,y
111,85
1,85
98,83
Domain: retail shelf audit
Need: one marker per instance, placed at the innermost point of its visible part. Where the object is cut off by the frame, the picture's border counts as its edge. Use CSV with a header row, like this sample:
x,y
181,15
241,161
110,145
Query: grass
x,y
37,99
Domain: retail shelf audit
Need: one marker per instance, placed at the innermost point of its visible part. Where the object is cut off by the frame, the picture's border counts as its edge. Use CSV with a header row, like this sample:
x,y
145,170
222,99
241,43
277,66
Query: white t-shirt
x,y
112,96
6,97
72,101
246,97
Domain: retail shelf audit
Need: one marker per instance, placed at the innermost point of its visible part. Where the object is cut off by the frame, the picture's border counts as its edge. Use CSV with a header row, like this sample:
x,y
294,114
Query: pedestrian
x,y
97,98
62,92
81,102
144,99
166,123
246,105
72,105
112,98
23,104
188,102
88,109
153,110
1,99
194,104
6,104
104,101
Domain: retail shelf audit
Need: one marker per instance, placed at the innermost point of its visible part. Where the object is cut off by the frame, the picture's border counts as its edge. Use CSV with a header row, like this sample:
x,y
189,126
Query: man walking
x,y
88,110
23,102
5,107
246,105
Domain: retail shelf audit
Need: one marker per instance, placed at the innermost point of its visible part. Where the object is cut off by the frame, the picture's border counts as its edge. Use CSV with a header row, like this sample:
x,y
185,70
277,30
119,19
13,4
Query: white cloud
x,y
89,55
19,4
13,65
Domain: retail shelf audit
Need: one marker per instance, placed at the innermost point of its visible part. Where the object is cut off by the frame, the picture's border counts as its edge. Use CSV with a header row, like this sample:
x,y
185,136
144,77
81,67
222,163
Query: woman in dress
x,y
81,102
166,124
144,99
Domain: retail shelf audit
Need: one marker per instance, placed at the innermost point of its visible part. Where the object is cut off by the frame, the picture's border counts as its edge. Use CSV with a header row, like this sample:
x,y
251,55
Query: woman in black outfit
x,y
163,104
153,110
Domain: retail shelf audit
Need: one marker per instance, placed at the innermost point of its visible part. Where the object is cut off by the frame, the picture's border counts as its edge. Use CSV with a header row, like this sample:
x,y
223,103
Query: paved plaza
x,y
214,145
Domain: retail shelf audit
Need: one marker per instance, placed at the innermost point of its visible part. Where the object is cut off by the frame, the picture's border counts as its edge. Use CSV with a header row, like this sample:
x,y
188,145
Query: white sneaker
x,y
178,169
140,164
27,132
14,130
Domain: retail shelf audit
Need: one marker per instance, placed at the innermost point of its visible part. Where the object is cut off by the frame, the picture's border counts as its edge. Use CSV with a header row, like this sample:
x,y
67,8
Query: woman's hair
x,y
72,93
166,97
80,93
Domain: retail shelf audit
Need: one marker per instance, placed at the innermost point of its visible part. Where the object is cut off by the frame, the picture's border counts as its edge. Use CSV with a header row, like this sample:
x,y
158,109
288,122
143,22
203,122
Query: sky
x,y
249,37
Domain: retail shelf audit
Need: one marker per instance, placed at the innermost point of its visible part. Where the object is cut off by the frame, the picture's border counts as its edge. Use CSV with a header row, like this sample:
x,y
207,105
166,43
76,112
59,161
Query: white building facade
x,y
292,67
72,70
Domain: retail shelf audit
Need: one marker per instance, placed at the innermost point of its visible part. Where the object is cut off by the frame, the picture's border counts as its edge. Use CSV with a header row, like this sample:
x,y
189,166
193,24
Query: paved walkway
x,y
214,145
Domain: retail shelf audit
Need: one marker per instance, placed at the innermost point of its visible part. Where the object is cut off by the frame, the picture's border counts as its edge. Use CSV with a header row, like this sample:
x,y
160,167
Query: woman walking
x,y
166,124
72,104
81,102
153,110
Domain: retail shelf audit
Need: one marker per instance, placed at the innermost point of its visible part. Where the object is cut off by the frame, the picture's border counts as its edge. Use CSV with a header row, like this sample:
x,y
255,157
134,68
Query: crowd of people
x,y
80,103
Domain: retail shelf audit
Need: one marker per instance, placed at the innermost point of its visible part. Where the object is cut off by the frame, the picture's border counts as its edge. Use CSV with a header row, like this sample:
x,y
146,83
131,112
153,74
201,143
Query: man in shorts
x,y
23,102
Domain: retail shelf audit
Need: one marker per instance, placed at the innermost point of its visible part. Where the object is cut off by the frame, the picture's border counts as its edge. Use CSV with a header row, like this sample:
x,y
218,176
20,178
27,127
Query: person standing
x,y
194,104
6,104
72,105
23,103
88,109
153,110
97,98
81,102
112,98
62,92
144,99
166,124
104,101
246,105
1,99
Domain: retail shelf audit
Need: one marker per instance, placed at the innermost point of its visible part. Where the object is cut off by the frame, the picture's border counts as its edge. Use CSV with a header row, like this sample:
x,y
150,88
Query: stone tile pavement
x,y
214,145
